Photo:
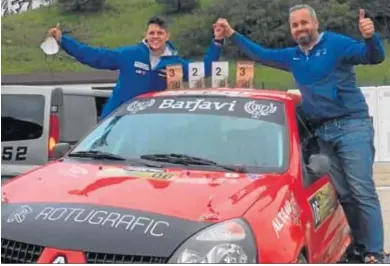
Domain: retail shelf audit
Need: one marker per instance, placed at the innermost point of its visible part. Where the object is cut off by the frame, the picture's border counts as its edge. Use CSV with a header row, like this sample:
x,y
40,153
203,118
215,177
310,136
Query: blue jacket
x,y
136,74
325,76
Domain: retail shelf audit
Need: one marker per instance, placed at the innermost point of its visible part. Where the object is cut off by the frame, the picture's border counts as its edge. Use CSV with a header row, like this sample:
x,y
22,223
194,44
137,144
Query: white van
x,y
35,118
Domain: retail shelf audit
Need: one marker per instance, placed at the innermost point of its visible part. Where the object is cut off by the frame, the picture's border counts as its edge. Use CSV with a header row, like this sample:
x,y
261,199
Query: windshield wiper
x,y
100,155
96,154
189,160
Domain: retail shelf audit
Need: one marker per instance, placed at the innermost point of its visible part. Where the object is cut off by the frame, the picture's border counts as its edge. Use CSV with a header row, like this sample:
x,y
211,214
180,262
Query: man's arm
x,y
100,58
213,54
276,58
369,51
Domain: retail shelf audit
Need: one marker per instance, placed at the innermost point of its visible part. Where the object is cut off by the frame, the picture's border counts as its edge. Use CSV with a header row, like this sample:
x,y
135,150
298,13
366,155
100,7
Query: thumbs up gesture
x,y
366,25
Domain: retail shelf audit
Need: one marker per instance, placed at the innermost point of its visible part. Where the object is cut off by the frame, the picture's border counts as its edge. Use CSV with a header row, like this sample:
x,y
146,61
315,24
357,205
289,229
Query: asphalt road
x,y
384,195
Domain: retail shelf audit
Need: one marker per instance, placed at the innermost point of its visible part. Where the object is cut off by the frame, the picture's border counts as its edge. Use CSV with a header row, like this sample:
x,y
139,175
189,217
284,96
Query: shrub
x,y
81,5
178,6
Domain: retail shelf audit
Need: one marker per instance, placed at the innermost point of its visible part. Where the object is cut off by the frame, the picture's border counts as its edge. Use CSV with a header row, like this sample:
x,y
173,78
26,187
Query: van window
x,y
22,117
100,102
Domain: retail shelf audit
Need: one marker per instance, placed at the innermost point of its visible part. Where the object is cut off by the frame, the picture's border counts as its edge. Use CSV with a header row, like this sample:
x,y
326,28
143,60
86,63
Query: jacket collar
x,y
170,49
319,40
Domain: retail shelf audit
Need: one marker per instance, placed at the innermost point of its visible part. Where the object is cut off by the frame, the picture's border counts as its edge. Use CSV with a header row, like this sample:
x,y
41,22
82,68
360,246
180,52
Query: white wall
x,y
378,101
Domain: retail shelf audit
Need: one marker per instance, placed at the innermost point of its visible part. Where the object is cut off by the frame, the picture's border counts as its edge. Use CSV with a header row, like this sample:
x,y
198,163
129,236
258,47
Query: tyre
x,y
302,259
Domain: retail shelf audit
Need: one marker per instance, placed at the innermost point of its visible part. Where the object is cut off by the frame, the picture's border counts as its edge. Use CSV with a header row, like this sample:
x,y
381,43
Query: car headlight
x,y
226,242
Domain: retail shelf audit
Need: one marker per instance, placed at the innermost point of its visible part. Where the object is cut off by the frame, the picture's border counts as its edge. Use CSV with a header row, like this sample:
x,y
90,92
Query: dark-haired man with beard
x,y
322,65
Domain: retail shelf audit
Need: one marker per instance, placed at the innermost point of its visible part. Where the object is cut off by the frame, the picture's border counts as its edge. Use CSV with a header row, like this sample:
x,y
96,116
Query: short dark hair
x,y
159,21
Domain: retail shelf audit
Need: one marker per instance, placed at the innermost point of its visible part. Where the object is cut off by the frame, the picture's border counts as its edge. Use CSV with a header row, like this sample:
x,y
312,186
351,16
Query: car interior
x,y
310,145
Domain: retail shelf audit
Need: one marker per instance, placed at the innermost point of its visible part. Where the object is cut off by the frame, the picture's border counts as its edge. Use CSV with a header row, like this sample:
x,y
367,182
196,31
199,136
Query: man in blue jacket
x,y
142,66
322,65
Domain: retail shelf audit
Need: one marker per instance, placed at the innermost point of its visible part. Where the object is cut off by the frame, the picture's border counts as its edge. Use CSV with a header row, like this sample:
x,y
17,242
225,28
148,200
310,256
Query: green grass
x,y
121,23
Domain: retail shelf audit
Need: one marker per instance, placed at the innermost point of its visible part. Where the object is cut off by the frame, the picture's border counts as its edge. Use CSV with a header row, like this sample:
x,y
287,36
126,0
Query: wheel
x,y
302,259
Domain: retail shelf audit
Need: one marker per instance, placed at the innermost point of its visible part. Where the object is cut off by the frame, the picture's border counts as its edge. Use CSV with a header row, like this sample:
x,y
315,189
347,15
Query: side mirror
x,y
60,149
319,164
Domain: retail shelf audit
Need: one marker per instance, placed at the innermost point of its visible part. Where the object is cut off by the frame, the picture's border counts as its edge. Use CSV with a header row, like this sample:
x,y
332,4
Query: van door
x,y
81,111
24,128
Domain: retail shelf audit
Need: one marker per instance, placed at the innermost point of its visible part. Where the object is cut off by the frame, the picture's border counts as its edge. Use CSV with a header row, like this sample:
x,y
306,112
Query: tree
x,y
174,6
81,5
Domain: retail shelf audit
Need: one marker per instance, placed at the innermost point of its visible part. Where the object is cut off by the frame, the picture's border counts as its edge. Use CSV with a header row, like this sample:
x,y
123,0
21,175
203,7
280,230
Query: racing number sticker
x,y
17,153
323,203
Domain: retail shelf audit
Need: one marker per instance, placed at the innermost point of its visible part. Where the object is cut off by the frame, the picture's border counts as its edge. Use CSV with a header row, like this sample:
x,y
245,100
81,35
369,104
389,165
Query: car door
x,y
326,214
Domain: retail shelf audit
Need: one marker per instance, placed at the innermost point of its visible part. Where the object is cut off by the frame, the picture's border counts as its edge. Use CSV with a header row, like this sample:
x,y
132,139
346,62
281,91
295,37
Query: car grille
x,y
93,257
19,252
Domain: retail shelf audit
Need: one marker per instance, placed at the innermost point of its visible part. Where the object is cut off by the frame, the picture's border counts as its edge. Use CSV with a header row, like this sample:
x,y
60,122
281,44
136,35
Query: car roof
x,y
278,95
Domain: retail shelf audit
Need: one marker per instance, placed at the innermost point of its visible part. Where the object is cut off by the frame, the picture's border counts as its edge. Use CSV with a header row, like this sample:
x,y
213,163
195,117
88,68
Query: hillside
x,y
122,22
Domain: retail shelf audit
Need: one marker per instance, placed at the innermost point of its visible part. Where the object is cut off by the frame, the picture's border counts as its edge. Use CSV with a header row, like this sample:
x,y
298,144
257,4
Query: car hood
x,y
76,205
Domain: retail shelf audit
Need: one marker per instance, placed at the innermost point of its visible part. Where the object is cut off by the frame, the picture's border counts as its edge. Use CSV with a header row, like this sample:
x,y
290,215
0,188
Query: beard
x,y
305,39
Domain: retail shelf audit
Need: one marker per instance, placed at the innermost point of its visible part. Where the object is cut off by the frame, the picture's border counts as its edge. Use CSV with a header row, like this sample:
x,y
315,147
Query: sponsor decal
x,y
265,110
323,203
258,110
144,169
105,219
157,174
139,105
198,104
19,215
129,172
141,65
287,214
140,72
97,228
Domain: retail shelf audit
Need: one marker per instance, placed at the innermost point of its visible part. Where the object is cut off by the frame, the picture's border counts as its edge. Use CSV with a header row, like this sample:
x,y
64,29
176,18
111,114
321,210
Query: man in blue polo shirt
x,y
142,66
322,65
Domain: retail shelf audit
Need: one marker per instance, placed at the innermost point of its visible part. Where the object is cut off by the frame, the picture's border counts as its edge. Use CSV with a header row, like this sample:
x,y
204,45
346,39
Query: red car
x,y
187,176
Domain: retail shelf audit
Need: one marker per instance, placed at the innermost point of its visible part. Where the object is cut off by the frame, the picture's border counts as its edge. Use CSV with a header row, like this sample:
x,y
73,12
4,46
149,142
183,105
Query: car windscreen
x,y
226,130
22,117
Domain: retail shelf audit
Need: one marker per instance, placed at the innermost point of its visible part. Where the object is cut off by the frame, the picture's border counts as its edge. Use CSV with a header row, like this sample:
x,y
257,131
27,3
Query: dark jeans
x,y
352,141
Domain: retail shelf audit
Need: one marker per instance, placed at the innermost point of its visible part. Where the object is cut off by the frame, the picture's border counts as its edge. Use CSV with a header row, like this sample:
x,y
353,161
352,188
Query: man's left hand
x,y
366,25
218,32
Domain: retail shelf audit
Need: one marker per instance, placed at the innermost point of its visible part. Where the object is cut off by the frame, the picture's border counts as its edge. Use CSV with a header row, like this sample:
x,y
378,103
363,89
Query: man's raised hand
x,y
56,32
218,32
366,25
222,23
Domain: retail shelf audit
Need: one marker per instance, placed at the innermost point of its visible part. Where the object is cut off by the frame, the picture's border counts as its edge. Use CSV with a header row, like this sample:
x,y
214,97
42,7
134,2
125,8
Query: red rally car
x,y
187,176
